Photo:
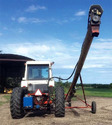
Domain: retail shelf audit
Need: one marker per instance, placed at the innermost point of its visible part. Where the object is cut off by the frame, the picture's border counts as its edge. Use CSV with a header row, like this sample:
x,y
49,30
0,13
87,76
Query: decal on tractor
x,y
38,92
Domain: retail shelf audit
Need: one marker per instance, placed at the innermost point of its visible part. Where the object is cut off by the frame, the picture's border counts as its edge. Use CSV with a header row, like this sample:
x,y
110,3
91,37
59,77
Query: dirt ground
x,y
72,117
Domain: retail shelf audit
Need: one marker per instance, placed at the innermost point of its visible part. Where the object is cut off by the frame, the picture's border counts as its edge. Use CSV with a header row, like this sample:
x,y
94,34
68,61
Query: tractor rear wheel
x,y
93,107
59,102
16,103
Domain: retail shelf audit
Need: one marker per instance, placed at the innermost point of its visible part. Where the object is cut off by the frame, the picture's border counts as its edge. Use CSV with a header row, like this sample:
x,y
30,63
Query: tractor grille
x,y
42,87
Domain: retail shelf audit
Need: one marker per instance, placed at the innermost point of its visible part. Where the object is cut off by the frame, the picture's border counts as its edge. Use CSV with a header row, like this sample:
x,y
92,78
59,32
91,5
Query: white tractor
x,y
36,91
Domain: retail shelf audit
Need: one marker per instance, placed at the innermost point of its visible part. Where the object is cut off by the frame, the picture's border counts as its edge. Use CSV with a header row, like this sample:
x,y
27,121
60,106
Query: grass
x,y
96,92
7,97
89,91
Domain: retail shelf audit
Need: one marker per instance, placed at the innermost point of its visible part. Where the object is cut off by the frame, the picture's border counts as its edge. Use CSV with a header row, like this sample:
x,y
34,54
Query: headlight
x,y
30,87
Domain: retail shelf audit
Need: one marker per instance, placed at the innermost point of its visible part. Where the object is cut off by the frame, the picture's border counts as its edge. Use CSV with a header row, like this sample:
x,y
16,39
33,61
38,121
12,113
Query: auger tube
x,y
94,22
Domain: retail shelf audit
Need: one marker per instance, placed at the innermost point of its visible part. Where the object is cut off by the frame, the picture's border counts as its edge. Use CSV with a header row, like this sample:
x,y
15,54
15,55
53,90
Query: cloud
x,y
34,8
22,19
27,20
100,54
103,45
36,20
53,50
80,13
30,20
33,50
85,66
104,40
93,66
58,51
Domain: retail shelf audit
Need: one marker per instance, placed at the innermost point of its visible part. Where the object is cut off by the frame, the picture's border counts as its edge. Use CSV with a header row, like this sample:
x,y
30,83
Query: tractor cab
x,y
38,75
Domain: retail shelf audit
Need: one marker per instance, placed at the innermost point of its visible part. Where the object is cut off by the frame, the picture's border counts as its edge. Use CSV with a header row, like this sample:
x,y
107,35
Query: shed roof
x,y
14,57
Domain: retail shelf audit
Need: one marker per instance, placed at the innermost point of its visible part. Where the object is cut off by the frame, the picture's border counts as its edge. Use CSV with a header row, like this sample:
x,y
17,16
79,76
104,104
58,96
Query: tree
x,y
110,85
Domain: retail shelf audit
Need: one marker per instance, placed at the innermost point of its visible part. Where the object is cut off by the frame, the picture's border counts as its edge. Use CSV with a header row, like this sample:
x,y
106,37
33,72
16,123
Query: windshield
x,y
38,72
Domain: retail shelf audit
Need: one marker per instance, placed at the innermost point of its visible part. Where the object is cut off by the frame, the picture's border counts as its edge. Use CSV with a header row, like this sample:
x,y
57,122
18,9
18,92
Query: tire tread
x,y
59,102
16,103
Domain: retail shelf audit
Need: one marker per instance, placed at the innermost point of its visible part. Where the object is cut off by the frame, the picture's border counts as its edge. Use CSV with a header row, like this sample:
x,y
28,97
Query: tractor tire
x,y
93,107
59,102
16,103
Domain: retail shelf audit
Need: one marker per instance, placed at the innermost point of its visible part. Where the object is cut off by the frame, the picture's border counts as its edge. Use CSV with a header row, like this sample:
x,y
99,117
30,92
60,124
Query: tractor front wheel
x,y
16,103
59,102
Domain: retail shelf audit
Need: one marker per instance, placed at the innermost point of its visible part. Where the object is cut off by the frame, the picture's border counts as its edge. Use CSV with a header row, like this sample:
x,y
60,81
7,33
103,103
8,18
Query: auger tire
x,y
93,107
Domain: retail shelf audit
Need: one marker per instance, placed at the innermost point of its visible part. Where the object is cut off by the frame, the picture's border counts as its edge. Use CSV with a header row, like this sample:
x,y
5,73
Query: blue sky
x,y
54,30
